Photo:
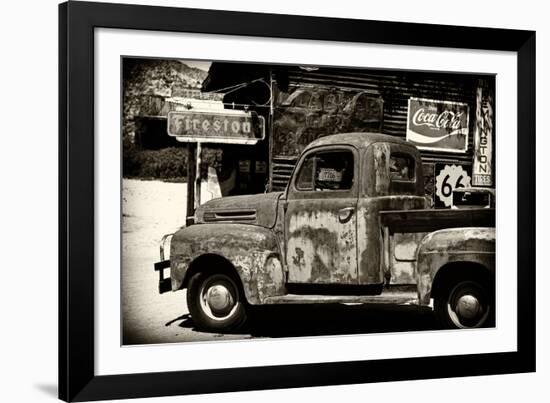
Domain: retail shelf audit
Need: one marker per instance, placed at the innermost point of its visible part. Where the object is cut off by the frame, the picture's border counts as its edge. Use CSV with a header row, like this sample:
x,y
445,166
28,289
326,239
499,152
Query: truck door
x,y
320,217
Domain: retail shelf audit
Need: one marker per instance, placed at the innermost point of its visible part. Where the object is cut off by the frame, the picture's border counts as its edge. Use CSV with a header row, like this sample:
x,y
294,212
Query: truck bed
x,y
428,220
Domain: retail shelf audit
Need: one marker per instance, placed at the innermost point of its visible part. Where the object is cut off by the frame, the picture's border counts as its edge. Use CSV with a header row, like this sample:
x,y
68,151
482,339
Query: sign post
x,y
223,127
198,177
191,177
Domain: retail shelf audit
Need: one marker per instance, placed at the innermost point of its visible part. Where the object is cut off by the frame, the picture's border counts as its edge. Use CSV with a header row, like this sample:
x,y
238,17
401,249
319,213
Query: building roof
x,y
357,139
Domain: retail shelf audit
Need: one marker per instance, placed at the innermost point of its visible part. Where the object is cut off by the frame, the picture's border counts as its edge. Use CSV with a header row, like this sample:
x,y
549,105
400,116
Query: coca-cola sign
x,y
438,125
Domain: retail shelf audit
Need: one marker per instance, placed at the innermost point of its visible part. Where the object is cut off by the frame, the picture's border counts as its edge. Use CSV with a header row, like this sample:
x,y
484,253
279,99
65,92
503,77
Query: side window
x,y
329,170
402,167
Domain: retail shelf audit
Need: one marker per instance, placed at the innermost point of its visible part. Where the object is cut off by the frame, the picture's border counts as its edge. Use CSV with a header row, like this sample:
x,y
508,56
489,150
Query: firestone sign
x,y
438,125
233,127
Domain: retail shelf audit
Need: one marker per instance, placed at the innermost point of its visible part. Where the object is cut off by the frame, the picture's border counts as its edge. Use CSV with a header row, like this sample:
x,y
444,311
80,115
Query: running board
x,y
388,297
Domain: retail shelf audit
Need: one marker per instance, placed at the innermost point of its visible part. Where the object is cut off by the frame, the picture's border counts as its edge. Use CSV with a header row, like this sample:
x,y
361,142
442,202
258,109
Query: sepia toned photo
x,y
272,200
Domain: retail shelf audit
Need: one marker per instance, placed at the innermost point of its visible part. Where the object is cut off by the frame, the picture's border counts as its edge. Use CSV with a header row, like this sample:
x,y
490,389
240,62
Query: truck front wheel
x,y
464,304
216,302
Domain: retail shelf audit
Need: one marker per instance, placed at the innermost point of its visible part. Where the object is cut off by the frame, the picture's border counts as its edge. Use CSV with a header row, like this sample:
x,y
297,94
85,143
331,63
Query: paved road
x,y
151,209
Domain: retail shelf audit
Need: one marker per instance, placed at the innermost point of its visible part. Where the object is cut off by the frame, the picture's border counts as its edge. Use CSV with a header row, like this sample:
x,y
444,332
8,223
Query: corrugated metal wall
x,y
395,88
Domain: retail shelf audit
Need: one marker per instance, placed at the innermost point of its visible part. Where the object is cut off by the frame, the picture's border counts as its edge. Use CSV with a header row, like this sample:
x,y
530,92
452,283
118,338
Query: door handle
x,y
345,214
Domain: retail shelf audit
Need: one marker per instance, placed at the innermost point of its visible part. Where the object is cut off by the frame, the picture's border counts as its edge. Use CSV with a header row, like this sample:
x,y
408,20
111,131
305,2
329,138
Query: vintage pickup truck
x,y
351,227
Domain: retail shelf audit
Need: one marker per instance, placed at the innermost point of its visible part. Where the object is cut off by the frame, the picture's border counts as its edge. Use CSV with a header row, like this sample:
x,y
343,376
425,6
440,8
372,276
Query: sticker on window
x,y
329,175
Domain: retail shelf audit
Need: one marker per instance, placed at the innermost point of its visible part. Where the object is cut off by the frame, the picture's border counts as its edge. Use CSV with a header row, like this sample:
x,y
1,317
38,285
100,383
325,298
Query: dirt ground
x,y
151,209
154,208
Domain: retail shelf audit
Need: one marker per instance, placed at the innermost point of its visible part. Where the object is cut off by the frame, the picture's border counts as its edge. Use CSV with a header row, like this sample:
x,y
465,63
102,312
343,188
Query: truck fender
x,y
452,249
252,251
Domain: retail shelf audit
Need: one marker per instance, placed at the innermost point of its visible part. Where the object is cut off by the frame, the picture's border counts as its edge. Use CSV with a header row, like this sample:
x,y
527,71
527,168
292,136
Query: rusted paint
x,y
379,193
358,140
403,273
401,297
473,244
264,207
320,230
252,250
381,154
403,264
376,176
298,258
279,228
320,248
406,245
478,239
369,240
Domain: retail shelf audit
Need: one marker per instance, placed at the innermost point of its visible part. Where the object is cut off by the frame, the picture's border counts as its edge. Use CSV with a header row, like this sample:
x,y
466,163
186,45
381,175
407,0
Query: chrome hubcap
x,y
219,299
468,307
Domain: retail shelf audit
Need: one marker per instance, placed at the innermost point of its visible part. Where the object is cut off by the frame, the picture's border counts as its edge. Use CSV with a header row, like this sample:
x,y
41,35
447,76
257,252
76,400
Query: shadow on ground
x,y
331,319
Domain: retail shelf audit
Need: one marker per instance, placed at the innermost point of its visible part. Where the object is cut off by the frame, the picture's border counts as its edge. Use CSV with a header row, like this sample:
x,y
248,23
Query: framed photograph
x,y
258,201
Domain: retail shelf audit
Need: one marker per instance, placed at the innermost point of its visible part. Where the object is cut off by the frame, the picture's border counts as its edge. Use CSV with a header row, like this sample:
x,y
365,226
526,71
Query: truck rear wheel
x,y
465,304
216,302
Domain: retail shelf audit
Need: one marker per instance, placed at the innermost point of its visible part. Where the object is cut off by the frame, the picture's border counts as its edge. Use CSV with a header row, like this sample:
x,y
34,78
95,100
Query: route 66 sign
x,y
448,178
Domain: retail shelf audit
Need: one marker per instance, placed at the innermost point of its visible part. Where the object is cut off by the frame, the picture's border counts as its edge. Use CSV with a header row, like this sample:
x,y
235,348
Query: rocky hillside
x,y
154,77
163,78
160,77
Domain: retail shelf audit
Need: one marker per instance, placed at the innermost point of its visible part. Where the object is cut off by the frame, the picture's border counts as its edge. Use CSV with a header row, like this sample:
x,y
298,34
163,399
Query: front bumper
x,y
165,283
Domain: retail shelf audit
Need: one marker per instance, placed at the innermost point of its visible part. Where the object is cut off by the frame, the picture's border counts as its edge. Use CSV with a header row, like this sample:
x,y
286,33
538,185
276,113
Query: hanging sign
x,y
229,127
438,125
448,178
482,174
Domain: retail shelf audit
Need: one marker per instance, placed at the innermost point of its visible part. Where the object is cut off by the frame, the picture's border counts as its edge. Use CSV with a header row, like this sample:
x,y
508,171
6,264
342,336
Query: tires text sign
x,y
438,125
483,141
233,127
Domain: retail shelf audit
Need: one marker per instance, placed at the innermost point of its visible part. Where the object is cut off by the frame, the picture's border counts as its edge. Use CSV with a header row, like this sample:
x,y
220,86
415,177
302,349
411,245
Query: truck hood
x,y
259,209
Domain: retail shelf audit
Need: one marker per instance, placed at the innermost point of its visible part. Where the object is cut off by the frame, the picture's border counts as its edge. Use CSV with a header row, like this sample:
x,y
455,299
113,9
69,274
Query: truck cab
x,y
331,222
351,226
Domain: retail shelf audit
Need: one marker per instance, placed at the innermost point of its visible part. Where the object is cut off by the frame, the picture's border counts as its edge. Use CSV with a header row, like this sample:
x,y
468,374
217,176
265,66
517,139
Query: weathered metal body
x,y
253,251
451,248
371,230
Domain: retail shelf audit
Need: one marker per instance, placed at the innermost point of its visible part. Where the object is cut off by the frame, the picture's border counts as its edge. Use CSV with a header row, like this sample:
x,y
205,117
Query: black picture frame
x,y
77,379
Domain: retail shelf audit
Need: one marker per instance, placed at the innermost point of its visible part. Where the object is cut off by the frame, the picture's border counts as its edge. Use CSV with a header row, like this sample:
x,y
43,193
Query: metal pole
x,y
270,134
191,175
198,177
